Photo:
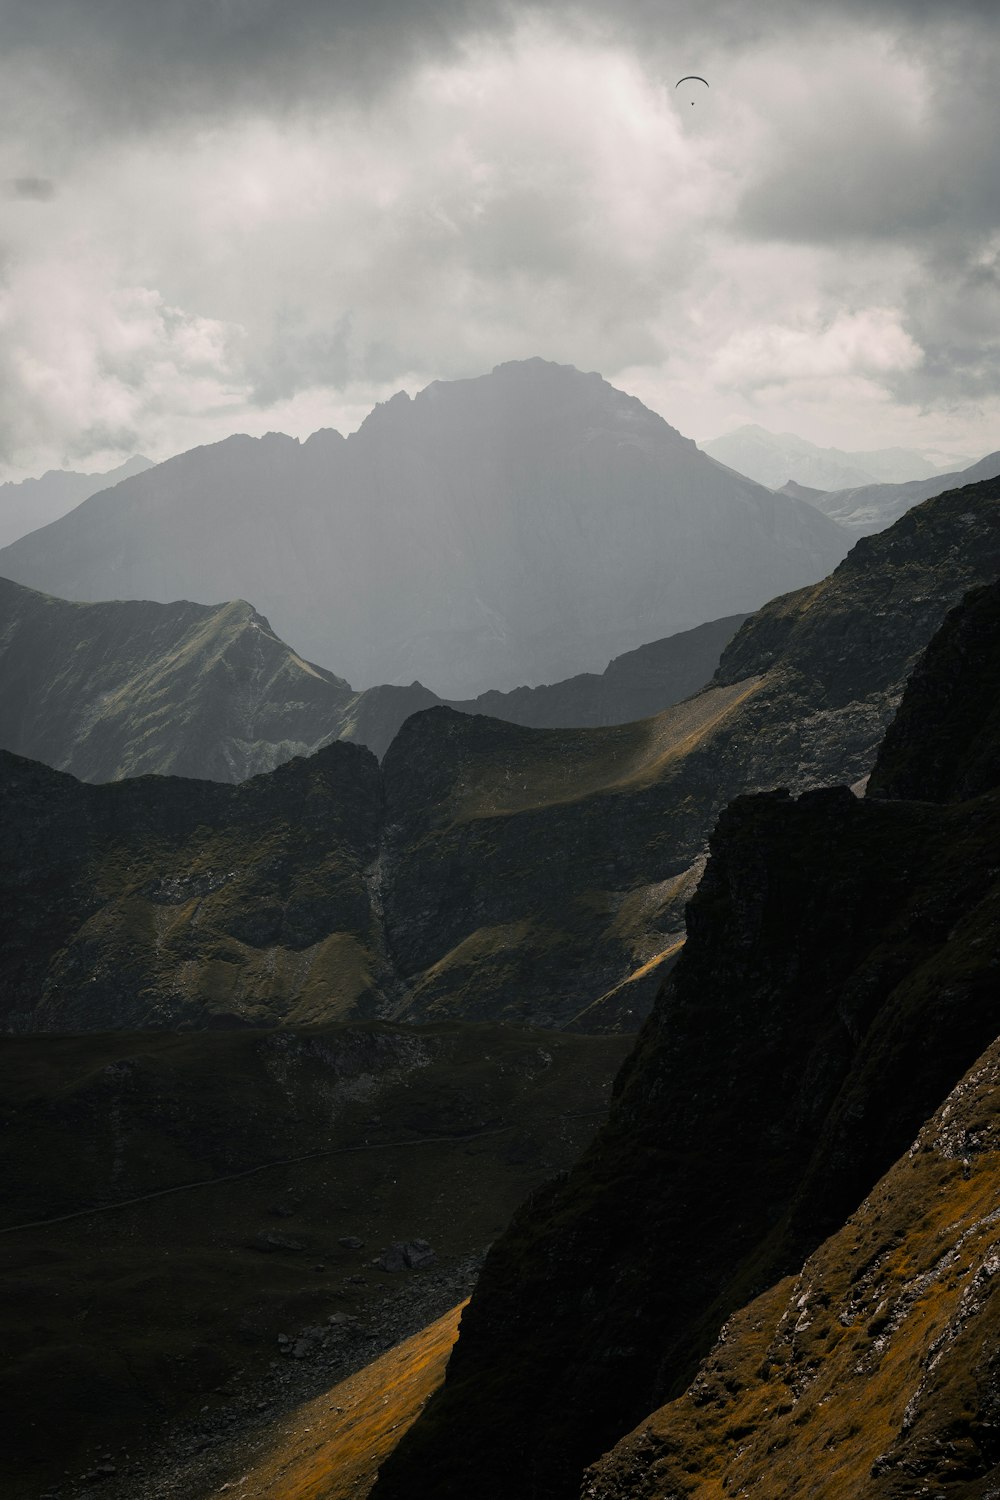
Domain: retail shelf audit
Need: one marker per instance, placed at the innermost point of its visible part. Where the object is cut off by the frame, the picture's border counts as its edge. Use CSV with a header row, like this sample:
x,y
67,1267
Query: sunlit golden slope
x,y
872,1374
330,1449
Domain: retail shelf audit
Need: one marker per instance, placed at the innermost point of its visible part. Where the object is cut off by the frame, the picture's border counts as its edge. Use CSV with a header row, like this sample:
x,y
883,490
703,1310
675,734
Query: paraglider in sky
x,y
691,78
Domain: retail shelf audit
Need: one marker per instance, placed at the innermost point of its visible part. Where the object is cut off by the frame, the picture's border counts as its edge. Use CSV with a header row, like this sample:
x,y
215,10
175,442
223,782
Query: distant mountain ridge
x,y
517,528
872,507
486,871
29,503
131,687
773,458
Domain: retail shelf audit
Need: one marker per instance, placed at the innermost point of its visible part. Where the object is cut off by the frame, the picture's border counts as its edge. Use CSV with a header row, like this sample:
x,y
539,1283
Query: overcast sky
x,y
243,215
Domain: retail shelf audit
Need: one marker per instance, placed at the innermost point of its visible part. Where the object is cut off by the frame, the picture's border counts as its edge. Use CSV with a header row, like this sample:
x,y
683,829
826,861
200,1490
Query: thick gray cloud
x,y
271,215
37,189
145,61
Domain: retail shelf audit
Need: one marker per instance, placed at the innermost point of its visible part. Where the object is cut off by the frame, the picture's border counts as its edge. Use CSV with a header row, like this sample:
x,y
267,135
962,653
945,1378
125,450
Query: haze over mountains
x,y
130,687
31,503
872,507
486,871
513,529
772,458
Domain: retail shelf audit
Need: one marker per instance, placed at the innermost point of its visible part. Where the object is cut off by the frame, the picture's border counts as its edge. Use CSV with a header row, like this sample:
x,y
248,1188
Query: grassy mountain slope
x,y
873,1372
838,978
130,687
250,1157
163,902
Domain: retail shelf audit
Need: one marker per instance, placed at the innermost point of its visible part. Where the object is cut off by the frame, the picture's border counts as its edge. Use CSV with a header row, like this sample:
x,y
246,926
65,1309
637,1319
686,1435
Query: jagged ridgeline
x,y
839,978
516,528
487,871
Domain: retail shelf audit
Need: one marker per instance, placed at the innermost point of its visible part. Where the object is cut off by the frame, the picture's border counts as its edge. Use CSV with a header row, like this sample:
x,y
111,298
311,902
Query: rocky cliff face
x,y
518,528
962,756
537,876
840,975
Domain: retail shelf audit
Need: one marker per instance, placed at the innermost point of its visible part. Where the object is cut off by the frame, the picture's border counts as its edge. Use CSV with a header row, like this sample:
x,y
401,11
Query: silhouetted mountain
x,y
838,979
773,458
518,528
491,870
872,507
30,503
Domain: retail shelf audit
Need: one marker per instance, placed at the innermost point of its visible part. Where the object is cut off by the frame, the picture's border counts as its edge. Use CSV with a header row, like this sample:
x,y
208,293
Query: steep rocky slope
x,y
874,1372
517,528
492,871
131,687
840,975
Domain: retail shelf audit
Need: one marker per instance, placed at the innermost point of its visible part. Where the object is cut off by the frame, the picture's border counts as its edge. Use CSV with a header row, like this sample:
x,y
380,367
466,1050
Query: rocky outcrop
x,y
839,976
960,756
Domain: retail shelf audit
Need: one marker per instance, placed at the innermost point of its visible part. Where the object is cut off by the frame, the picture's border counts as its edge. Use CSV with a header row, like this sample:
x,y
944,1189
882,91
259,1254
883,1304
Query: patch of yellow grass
x,y
331,1448
545,766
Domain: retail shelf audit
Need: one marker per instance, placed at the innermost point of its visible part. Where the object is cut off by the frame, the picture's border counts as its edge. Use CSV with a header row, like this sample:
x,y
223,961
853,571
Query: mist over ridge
x,y
511,529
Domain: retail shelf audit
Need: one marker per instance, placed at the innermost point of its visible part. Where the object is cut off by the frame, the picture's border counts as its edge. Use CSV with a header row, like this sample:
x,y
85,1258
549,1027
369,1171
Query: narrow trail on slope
x,y
286,1161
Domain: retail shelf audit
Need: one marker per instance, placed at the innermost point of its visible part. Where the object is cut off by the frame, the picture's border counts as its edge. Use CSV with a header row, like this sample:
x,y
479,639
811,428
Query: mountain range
x,y
773,458
131,687
29,503
239,1081
514,529
871,507
486,870
702,1294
